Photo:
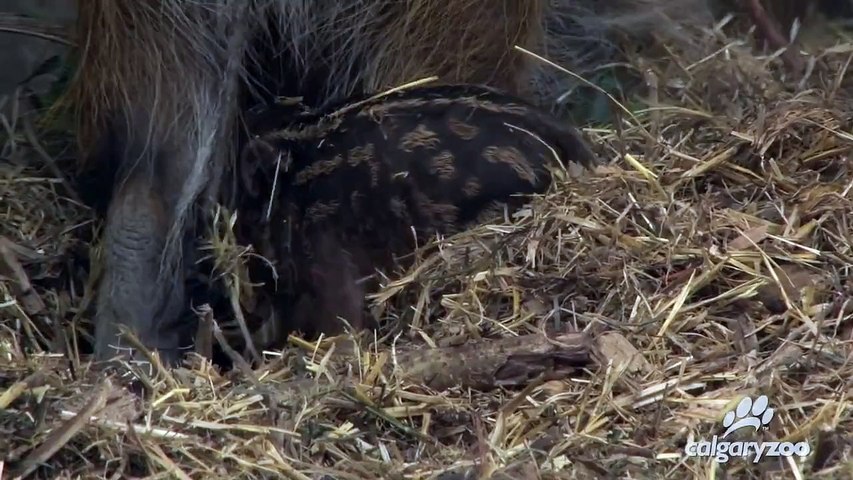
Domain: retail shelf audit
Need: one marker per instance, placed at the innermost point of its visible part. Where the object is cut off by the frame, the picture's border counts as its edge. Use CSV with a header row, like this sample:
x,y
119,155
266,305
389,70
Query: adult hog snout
x,y
138,289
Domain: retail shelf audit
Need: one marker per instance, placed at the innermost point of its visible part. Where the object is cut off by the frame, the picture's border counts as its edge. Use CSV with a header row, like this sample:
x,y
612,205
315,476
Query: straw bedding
x,y
707,260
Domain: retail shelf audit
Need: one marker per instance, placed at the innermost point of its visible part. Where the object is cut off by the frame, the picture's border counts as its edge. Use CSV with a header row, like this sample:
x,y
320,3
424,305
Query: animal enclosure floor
x,y
706,261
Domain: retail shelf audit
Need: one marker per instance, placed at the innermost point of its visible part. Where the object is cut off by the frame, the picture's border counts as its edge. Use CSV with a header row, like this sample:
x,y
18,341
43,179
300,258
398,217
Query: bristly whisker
x,y
274,185
538,139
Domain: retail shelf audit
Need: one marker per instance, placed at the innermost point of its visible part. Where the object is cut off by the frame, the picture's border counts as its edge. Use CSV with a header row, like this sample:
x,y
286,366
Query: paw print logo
x,y
748,413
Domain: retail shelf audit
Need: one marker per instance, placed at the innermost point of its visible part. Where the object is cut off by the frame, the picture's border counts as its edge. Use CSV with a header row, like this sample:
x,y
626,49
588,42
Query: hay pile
x,y
707,261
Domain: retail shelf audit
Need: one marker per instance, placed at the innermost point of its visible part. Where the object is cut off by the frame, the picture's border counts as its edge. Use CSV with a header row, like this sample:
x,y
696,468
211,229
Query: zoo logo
x,y
748,413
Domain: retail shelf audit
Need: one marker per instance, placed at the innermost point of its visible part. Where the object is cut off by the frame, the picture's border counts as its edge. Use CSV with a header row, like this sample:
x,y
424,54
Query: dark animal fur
x,y
353,183
193,67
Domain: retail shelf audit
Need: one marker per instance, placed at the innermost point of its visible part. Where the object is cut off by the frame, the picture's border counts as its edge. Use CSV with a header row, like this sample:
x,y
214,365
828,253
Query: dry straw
x,y
708,259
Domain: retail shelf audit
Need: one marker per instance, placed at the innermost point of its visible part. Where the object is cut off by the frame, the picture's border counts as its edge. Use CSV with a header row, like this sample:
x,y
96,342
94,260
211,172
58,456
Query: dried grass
x,y
729,186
